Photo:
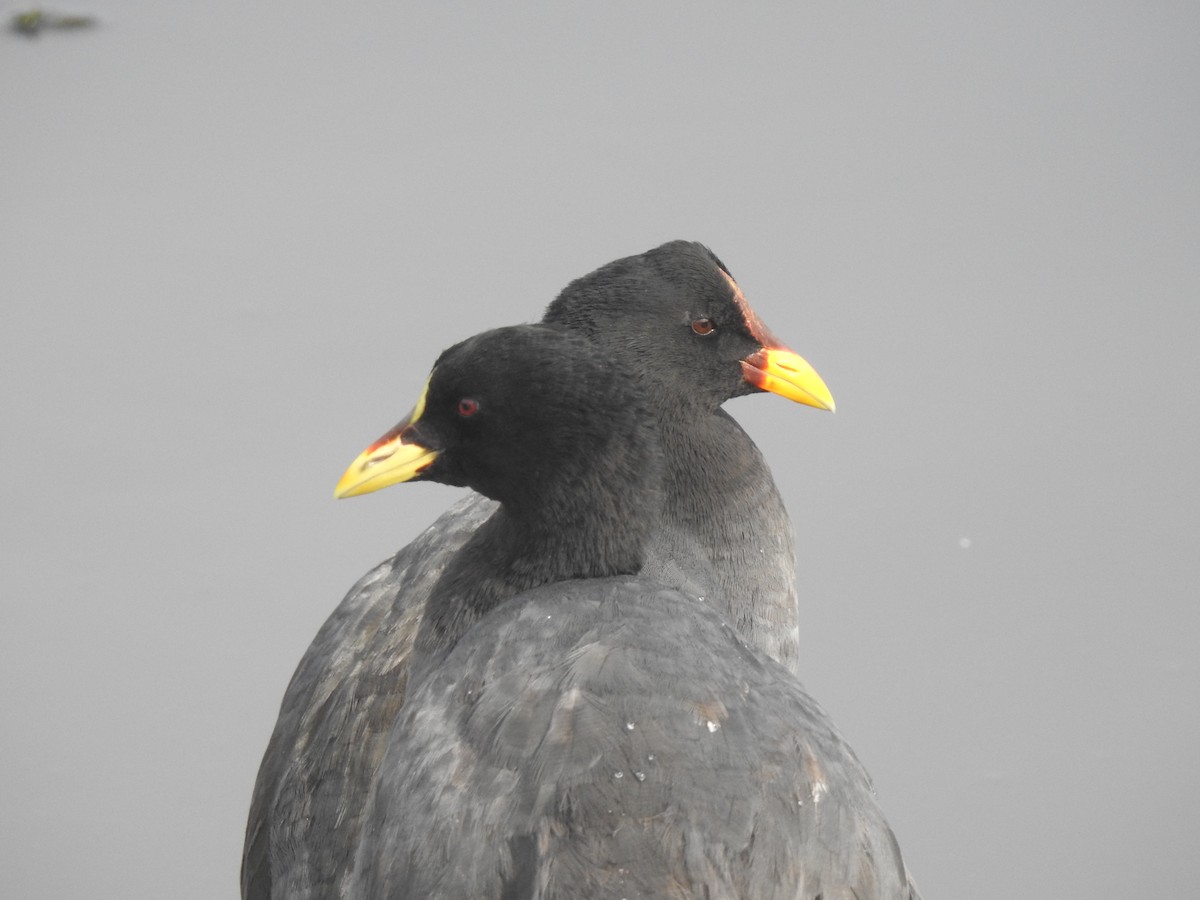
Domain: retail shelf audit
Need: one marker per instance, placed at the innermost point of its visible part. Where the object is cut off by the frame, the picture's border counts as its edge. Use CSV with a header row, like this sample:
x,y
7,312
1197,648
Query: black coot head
x,y
514,413
682,323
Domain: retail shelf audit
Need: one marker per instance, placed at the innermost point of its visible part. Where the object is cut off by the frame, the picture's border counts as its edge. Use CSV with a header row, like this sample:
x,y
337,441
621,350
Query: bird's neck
x,y
720,496
709,460
584,524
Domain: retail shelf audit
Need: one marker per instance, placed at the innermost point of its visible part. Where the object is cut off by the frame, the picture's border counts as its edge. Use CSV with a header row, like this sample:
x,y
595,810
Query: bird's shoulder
x,y
338,707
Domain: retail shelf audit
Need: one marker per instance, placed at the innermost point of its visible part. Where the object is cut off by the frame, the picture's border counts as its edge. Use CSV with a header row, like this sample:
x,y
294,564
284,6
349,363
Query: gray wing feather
x,y
615,738
333,724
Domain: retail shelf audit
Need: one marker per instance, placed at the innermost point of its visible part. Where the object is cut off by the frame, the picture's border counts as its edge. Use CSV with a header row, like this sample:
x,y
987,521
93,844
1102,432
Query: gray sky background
x,y
234,237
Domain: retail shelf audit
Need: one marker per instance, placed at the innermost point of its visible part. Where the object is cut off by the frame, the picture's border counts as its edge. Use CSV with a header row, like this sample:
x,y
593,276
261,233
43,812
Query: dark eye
x,y
467,407
704,326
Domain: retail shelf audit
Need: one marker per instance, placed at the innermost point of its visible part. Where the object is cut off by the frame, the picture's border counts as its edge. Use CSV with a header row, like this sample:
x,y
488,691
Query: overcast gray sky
x,y
234,237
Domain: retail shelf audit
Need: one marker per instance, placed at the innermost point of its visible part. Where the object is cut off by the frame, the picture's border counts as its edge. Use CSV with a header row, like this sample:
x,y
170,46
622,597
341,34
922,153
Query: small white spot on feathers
x,y
713,726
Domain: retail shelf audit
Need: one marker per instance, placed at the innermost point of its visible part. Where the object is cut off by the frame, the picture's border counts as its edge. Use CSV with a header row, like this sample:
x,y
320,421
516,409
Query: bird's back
x,y
615,738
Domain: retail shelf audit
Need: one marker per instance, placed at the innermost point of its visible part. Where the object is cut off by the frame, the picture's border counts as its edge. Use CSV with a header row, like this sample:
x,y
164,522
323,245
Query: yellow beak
x,y
394,458
782,372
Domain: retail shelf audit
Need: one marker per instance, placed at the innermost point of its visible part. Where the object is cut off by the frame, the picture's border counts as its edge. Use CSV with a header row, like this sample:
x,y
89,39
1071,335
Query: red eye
x,y
704,326
467,407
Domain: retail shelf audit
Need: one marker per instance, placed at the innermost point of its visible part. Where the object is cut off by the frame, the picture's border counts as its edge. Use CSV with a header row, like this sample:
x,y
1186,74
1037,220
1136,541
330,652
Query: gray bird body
x,y
613,738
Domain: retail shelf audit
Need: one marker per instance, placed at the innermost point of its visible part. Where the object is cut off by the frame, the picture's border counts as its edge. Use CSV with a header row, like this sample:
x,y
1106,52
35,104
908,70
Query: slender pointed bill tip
x,y
393,459
782,372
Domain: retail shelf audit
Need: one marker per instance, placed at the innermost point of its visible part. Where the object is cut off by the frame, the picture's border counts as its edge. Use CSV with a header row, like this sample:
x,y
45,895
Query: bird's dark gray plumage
x,y
600,737
724,535
614,738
